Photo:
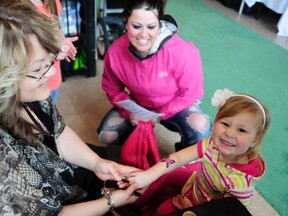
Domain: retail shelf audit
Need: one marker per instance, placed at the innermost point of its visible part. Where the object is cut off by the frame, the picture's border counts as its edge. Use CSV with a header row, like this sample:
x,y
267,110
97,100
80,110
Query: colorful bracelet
x,y
168,161
105,192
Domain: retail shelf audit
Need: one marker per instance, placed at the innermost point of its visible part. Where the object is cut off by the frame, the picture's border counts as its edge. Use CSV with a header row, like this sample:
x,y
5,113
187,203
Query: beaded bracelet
x,y
105,192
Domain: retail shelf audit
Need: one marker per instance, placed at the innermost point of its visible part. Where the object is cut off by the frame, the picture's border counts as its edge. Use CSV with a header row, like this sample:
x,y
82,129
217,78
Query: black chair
x,y
222,207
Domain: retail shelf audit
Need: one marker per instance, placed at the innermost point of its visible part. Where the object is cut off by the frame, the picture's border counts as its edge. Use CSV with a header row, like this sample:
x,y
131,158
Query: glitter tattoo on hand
x,y
168,161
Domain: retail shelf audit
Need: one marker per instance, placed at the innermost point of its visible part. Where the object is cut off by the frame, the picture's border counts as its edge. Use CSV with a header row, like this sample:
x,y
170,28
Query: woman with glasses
x,y
39,154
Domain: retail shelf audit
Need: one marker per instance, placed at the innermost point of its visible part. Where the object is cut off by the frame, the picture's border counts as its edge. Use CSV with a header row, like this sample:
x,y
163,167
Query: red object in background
x,y
140,149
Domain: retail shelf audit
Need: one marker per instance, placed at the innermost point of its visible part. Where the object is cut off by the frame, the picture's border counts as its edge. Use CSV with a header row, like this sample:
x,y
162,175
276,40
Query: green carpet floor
x,y
237,58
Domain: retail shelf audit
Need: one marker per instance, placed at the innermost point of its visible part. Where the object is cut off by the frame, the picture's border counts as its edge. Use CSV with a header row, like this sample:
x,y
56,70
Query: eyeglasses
x,y
47,70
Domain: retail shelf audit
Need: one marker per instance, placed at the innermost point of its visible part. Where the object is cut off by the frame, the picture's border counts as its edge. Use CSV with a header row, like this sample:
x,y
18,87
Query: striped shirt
x,y
216,179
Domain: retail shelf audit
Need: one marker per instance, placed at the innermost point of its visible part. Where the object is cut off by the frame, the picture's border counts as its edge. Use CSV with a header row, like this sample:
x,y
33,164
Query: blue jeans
x,y
191,123
54,94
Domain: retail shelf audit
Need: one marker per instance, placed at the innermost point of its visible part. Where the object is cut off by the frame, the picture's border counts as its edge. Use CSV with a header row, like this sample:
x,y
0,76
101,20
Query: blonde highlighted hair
x,y
18,21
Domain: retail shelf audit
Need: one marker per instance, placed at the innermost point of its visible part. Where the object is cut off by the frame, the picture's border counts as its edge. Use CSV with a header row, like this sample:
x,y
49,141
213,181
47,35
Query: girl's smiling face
x,y
32,89
234,135
142,29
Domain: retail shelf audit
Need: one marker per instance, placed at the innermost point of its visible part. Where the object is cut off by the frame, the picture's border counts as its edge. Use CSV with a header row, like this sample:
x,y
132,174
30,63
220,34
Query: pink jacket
x,y
167,82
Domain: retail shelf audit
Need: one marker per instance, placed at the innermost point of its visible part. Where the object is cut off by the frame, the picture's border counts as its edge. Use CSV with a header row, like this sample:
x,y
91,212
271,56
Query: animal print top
x,y
31,182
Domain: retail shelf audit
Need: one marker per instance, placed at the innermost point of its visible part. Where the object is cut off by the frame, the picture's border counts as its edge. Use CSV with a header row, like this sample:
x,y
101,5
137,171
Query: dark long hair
x,y
131,5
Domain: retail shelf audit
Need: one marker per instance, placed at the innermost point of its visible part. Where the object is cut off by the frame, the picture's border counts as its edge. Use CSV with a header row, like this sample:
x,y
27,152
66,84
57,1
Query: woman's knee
x,y
199,122
108,137
109,133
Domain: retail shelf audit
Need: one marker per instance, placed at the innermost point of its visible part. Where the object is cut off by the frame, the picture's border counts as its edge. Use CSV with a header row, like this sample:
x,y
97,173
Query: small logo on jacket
x,y
163,74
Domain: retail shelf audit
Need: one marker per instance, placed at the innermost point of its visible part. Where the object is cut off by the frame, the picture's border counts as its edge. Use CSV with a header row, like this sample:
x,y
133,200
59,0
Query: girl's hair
x,y
18,21
131,5
243,103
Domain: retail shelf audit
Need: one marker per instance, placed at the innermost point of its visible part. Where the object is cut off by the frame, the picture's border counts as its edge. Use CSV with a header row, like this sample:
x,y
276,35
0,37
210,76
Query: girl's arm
x,y
174,161
72,149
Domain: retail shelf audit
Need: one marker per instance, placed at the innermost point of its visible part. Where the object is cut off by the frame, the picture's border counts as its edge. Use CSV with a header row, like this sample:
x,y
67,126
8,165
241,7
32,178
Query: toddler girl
x,y
226,164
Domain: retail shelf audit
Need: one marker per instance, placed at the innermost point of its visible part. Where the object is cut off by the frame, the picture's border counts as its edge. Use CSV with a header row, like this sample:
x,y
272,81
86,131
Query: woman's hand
x,y
155,120
106,169
124,197
100,206
68,50
134,119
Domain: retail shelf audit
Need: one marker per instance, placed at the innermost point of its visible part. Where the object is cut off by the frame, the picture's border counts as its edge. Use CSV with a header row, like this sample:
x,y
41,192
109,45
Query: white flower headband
x,y
221,96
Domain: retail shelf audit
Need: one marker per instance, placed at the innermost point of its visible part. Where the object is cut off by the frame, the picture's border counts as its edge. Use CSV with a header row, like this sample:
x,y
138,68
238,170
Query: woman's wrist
x,y
106,193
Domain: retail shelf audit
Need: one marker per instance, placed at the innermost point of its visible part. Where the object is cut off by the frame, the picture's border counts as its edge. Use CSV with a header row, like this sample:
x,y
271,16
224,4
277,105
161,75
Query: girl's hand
x,y
106,169
68,50
141,178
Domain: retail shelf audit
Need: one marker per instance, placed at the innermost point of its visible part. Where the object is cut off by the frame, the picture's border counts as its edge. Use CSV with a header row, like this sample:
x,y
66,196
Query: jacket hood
x,y
168,28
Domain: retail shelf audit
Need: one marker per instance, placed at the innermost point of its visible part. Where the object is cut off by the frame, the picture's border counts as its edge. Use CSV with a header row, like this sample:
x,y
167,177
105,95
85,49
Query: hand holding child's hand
x,y
124,197
107,169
